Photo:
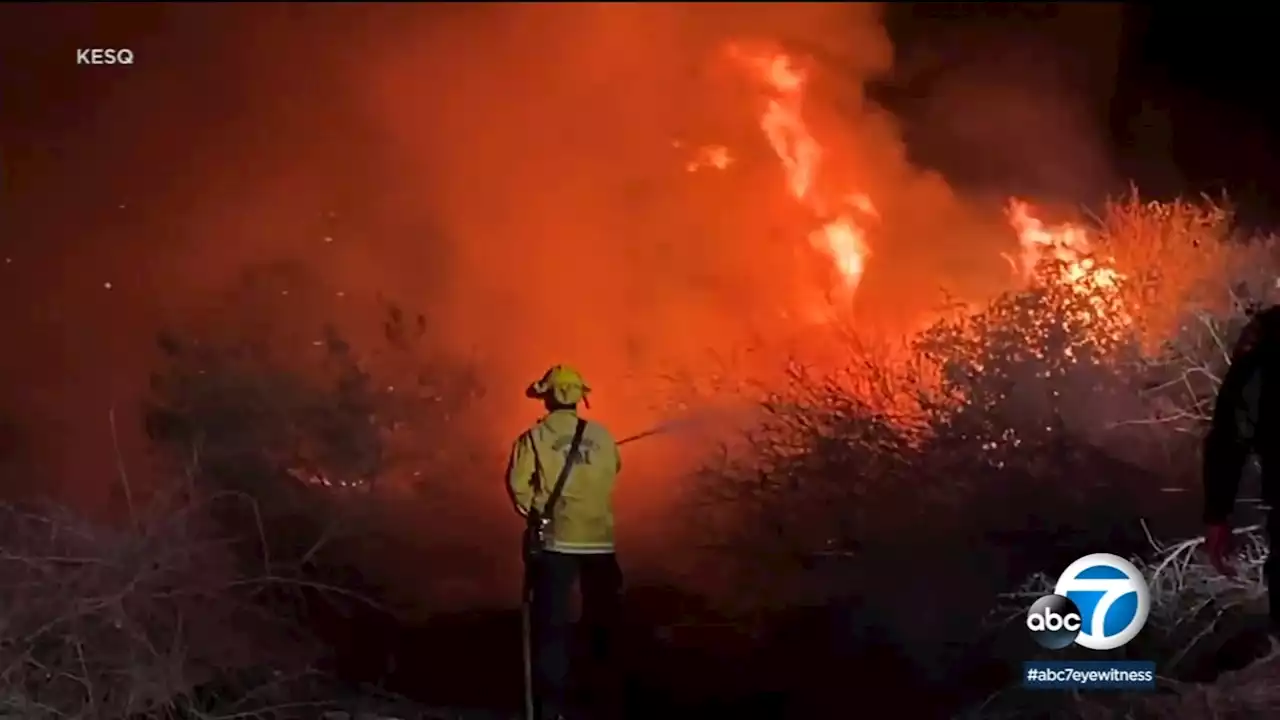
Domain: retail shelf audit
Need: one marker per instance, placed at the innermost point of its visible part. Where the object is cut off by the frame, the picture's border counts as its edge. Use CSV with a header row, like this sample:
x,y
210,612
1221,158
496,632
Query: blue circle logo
x,y
1112,599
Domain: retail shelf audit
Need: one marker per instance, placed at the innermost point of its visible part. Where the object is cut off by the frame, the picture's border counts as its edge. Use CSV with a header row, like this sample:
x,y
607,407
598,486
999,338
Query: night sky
x,y
1187,83
1172,89
234,115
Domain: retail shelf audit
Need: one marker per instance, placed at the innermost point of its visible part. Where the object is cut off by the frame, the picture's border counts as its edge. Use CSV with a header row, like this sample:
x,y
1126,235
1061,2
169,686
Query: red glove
x,y
1217,542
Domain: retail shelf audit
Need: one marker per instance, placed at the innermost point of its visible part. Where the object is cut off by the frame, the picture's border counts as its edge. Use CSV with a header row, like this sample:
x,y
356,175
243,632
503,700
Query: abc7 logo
x,y
1117,603
1054,622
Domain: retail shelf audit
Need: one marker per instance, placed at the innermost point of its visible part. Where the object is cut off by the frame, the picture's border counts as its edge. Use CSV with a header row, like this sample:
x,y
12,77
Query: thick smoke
x,y
518,173
548,145
545,147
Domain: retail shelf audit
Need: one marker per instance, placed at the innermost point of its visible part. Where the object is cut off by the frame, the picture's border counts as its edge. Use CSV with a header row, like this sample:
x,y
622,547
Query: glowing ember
x,y
711,156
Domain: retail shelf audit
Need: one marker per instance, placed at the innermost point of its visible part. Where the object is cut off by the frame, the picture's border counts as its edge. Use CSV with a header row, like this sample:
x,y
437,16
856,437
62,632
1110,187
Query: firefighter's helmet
x,y
562,384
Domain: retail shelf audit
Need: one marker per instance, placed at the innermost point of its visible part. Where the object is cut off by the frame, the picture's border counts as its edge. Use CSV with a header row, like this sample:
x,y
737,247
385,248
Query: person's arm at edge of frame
x,y
1224,452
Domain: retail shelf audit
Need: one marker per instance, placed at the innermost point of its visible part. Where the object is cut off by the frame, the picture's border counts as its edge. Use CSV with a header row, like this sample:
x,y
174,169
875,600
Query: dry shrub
x,y
1198,283
1180,377
1027,356
820,468
261,384
151,620
1191,283
1053,419
320,425
966,444
1174,255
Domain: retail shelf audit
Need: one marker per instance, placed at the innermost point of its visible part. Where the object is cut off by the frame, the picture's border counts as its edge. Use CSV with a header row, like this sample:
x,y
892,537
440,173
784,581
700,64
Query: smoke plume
x,y
518,173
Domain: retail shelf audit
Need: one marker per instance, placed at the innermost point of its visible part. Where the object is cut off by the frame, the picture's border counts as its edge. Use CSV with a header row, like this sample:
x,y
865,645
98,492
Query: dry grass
x,y
1251,692
1191,602
150,620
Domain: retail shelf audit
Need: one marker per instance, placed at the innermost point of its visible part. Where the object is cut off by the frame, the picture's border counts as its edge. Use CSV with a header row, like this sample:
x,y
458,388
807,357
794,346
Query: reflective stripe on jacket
x,y
582,521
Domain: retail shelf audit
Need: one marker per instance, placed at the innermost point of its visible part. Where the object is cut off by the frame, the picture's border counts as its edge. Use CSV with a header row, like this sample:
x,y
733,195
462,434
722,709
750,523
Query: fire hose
x,y
656,430
660,429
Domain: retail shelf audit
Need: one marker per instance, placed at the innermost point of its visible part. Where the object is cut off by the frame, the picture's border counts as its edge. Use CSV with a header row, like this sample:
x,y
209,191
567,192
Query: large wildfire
x,y
804,237
507,177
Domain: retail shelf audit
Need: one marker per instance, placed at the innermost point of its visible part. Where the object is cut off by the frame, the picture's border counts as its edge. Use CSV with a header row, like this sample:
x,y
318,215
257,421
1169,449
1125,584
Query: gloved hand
x,y
1217,543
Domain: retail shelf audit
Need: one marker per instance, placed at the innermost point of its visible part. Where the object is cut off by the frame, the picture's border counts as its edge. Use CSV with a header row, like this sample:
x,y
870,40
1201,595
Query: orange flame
x,y
840,237
1093,279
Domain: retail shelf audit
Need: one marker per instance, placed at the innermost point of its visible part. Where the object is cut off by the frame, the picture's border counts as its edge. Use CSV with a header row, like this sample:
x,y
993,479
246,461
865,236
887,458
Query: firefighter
x,y
1246,421
578,543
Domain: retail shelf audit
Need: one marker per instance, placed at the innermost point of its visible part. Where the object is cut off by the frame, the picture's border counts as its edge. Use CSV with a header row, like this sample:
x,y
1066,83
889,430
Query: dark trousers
x,y
1269,463
1226,455
600,581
